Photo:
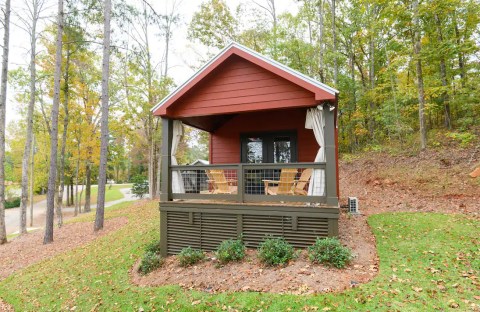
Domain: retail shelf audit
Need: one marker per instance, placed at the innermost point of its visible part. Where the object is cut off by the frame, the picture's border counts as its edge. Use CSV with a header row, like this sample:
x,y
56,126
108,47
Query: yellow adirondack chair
x,y
284,186
301,184
221,185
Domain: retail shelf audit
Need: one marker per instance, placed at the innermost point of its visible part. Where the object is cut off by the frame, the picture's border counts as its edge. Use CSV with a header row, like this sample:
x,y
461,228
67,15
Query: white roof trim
x,y
257,55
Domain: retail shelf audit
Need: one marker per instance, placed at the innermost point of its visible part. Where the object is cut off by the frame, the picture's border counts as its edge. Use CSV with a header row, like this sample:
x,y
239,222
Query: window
x,y
269,147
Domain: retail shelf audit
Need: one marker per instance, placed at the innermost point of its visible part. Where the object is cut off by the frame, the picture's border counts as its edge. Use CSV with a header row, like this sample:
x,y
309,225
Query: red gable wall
x,y
241,86
225,142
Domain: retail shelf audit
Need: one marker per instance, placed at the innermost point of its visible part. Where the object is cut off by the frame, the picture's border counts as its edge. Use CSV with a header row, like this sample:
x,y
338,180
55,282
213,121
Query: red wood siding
x,y
238,85
225,142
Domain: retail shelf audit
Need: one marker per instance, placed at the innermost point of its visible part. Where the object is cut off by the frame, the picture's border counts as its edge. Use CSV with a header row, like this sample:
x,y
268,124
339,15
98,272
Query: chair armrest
x,y
231,181
271,181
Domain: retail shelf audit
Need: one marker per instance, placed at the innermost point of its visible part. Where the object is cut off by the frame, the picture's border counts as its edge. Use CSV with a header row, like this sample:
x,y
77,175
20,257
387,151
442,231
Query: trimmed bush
x,y
189,256
153,247
150,261
14,203
330,251
275,251
231,250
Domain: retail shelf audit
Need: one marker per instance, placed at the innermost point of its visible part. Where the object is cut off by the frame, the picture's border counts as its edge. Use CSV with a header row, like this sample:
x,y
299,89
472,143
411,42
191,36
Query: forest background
x,y
407,72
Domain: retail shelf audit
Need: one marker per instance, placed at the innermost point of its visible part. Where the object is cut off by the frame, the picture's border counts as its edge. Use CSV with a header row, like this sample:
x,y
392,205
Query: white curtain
x,y
177,180
316,120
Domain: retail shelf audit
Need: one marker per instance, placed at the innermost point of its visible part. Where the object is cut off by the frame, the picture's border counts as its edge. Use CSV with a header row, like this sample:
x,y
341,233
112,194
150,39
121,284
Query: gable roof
x,y
319,89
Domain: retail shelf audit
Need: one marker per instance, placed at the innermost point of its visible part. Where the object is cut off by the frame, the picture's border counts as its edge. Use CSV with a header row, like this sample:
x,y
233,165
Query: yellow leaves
x,y
417,289
453,304
196,302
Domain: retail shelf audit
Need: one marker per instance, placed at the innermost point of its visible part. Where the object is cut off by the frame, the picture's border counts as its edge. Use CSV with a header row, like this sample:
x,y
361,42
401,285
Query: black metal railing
x,y
249,182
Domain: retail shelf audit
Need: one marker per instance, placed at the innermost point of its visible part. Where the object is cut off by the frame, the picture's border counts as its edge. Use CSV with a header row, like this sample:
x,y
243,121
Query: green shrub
x,y
189,256
140,186
463,138
231,250
329,251
13,203
275,251
150,261
153,247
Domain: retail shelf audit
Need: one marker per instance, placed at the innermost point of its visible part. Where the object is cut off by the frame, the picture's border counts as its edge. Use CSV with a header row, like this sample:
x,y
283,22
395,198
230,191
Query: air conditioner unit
x,y
353,205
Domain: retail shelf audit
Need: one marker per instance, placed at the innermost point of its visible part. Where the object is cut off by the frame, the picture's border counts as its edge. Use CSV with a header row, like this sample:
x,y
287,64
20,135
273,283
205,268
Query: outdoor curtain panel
x,y
316,120
177,180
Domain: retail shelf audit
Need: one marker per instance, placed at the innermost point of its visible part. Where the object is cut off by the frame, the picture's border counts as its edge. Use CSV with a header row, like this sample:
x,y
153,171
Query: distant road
x,y
12,215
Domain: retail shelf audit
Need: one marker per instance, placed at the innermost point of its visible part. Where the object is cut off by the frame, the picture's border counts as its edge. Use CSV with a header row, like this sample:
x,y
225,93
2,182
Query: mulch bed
x,y
28,249
4,307
299,277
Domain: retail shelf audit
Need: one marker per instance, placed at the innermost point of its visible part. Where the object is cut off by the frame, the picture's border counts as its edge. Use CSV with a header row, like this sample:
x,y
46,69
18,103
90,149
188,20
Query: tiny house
x,y
273,155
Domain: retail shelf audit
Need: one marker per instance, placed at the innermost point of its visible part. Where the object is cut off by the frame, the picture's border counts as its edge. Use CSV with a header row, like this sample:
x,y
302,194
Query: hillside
x,y
432,180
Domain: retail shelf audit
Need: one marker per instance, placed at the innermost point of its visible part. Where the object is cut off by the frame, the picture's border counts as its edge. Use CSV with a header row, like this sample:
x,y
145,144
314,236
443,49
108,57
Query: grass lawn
x,y
427,262
112,193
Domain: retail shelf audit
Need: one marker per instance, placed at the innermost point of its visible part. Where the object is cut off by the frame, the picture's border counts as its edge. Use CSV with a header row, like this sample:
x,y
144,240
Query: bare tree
x,y
443,74
102,179
3,104
169,19
321,41
48,238
61,169
30,23
334,38
32,179
271,10
421,93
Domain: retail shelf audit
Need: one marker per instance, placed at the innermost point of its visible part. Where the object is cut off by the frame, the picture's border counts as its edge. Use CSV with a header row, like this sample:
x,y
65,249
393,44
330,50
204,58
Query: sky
x,y
184,55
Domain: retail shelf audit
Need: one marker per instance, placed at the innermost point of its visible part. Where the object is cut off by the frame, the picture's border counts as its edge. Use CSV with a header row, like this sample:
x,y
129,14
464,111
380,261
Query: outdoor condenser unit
x,y
353,205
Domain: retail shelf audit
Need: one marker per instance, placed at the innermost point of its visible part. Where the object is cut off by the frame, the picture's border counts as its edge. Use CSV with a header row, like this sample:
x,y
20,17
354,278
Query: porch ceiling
x,y
207,123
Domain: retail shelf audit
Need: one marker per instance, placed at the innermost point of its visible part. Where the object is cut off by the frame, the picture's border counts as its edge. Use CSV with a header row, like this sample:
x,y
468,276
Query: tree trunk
x,y
275,39
461,64
32,180
77,206
61,171
421,92
71,192
320,40
443,74
334,38
54,130
3,104
88,186
102,179
68,195
80,197
31,106
371,75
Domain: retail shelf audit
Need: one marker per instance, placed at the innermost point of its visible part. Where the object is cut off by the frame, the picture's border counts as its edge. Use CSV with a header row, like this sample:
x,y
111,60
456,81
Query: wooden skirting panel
x,y
205,226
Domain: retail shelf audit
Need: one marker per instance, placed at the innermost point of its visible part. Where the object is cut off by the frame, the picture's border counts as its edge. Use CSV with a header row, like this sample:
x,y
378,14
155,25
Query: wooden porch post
x,y
166,181
166,185
330,170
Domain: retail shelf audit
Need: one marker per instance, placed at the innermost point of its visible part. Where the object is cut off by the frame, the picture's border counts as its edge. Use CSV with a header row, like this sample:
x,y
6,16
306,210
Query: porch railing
x,y
250,183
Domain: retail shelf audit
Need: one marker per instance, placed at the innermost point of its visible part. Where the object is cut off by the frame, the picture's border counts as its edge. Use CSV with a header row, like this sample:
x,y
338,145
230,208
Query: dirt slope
x,y
434,180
